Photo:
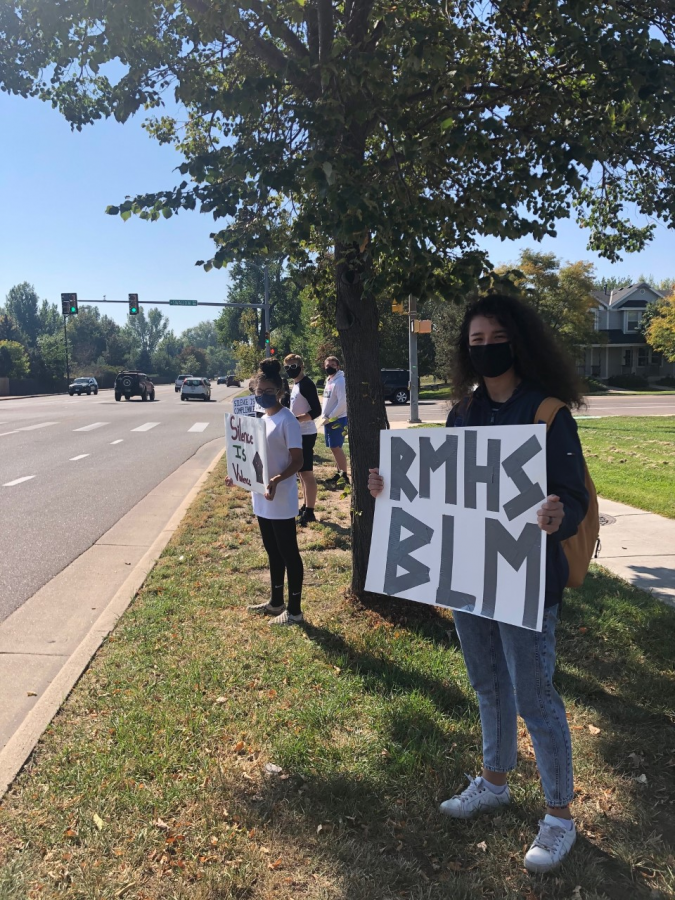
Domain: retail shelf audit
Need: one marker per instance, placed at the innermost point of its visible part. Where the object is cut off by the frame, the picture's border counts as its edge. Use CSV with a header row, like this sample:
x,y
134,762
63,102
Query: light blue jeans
x,y
511,670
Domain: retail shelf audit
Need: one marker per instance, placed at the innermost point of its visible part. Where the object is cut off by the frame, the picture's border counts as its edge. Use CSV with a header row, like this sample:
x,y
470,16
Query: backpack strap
x,y
547,411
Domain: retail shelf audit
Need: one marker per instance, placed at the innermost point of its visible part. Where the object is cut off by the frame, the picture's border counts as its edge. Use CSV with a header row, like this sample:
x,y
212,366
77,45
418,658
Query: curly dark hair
x,y
270,370
539,358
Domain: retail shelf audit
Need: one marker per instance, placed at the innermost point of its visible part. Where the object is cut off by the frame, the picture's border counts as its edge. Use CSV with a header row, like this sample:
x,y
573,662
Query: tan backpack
x,y
581,548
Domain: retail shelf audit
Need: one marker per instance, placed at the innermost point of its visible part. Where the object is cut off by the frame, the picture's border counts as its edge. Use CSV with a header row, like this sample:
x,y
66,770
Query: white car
x,y
196,387
178,384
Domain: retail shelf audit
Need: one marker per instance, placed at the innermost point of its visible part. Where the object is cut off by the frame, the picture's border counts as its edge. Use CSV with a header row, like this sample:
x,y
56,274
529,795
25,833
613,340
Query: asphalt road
x,y
613,405
71,467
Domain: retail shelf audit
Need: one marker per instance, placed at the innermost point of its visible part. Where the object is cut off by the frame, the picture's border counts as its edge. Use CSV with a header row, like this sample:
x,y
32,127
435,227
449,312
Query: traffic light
x,y
133,304
69,304
272,351
267,340
397,307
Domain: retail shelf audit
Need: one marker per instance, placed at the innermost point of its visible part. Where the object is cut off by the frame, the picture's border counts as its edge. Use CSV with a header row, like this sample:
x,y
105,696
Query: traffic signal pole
x,y
65,334
412,356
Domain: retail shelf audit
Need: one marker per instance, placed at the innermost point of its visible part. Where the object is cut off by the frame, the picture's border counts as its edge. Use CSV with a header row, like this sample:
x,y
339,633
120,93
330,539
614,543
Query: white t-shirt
x,y
283,435
300,405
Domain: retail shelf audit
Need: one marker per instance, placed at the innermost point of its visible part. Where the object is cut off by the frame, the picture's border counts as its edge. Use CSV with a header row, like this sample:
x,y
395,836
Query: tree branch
x,y
279,29
324,10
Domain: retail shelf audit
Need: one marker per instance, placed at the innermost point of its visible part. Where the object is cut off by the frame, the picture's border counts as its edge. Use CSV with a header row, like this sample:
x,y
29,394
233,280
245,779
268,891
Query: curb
x,y
18,749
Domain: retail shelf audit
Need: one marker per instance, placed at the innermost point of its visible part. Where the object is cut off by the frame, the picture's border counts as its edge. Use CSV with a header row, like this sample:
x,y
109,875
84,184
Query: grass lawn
x,y
632,460
204,756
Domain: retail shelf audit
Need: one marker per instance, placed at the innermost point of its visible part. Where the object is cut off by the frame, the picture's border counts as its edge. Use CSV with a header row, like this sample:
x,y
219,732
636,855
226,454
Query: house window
x,y
642,356
657,359
633,319
628,357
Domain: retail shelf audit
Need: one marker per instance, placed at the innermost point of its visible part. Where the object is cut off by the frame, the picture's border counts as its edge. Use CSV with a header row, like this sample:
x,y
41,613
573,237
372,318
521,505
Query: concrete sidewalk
x,y
637,546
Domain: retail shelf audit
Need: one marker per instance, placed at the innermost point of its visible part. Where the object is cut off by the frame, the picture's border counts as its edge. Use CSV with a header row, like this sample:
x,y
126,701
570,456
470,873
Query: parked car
x,y
233,381
134,384
83,386
178,384
196,387
396,384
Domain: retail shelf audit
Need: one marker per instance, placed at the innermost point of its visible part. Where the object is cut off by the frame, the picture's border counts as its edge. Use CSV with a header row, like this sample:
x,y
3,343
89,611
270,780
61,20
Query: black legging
x,y
281,542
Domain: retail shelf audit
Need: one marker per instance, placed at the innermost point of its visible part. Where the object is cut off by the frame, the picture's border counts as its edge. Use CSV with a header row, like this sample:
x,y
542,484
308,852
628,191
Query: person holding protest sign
x,y
277,509
305,406
506,349
334,412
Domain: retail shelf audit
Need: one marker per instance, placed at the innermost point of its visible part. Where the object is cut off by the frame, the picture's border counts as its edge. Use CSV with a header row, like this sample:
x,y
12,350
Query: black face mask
x,y
491,360
293,371
330,370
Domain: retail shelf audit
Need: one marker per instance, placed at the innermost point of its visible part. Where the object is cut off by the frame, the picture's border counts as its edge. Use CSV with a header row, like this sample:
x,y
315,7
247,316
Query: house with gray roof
x,y
621,348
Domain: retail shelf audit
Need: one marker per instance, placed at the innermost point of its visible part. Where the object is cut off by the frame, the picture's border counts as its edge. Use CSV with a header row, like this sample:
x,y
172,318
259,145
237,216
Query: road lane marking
x,y
81,456
146,427
199,426
18,480
119,441
92,427
29,428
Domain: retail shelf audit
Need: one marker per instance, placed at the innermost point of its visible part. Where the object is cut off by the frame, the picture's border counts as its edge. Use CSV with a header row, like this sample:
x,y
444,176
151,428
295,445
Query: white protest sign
x,y
246,447
456,524
244,406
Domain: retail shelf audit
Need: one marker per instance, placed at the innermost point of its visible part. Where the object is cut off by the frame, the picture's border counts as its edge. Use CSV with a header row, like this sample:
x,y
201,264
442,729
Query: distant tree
x,y
51,364
50,317
10,331
165,362
22,304
148,330
204,335
562,295
661,329
193,361
14,362
87,338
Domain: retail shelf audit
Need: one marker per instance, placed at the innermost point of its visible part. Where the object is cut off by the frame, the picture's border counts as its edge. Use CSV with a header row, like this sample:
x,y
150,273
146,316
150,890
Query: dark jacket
x,y
564,465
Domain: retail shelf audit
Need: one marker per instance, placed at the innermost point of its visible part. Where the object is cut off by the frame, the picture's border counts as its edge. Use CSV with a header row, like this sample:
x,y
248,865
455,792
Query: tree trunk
x,y
357,324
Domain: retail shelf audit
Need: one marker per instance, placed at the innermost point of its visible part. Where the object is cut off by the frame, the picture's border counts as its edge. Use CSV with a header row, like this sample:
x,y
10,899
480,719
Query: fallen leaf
x,y
576,893
221,700
239,746
214,840
636,759
583,630
271,693
641,779
482,846
31,693
455,866
98,821
593,729
161,824
273,769
276,864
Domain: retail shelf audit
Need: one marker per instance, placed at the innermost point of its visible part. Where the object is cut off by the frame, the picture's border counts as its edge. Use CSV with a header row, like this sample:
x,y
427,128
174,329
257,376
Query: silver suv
x,y
178,384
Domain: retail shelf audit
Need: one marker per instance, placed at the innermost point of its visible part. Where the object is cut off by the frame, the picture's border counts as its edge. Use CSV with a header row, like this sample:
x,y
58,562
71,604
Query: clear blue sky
x,y
55,185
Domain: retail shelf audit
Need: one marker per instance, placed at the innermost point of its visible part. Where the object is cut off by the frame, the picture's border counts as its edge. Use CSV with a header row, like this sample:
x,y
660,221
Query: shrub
x,y
593,386
667,381
632,382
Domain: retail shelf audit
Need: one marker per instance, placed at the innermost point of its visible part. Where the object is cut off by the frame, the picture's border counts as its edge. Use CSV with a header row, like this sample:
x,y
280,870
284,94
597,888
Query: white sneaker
x,y
550,847
266,608
287,619
476,798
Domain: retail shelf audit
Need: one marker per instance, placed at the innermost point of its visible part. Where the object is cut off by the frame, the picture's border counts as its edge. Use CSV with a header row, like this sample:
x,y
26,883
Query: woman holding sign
x,y
507,350
277,509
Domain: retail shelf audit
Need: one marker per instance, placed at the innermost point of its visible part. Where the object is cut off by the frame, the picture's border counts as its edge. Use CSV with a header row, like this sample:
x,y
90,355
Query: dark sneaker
x,y
333,479
301,511
345,478
307,517
266,608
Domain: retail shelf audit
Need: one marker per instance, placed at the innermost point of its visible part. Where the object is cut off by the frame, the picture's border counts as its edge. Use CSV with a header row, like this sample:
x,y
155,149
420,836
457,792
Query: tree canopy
x,y
394,134
660,330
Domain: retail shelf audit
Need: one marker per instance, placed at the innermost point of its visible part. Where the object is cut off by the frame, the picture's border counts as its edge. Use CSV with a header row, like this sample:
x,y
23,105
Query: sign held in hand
x,y
244,406
456,524
246,447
